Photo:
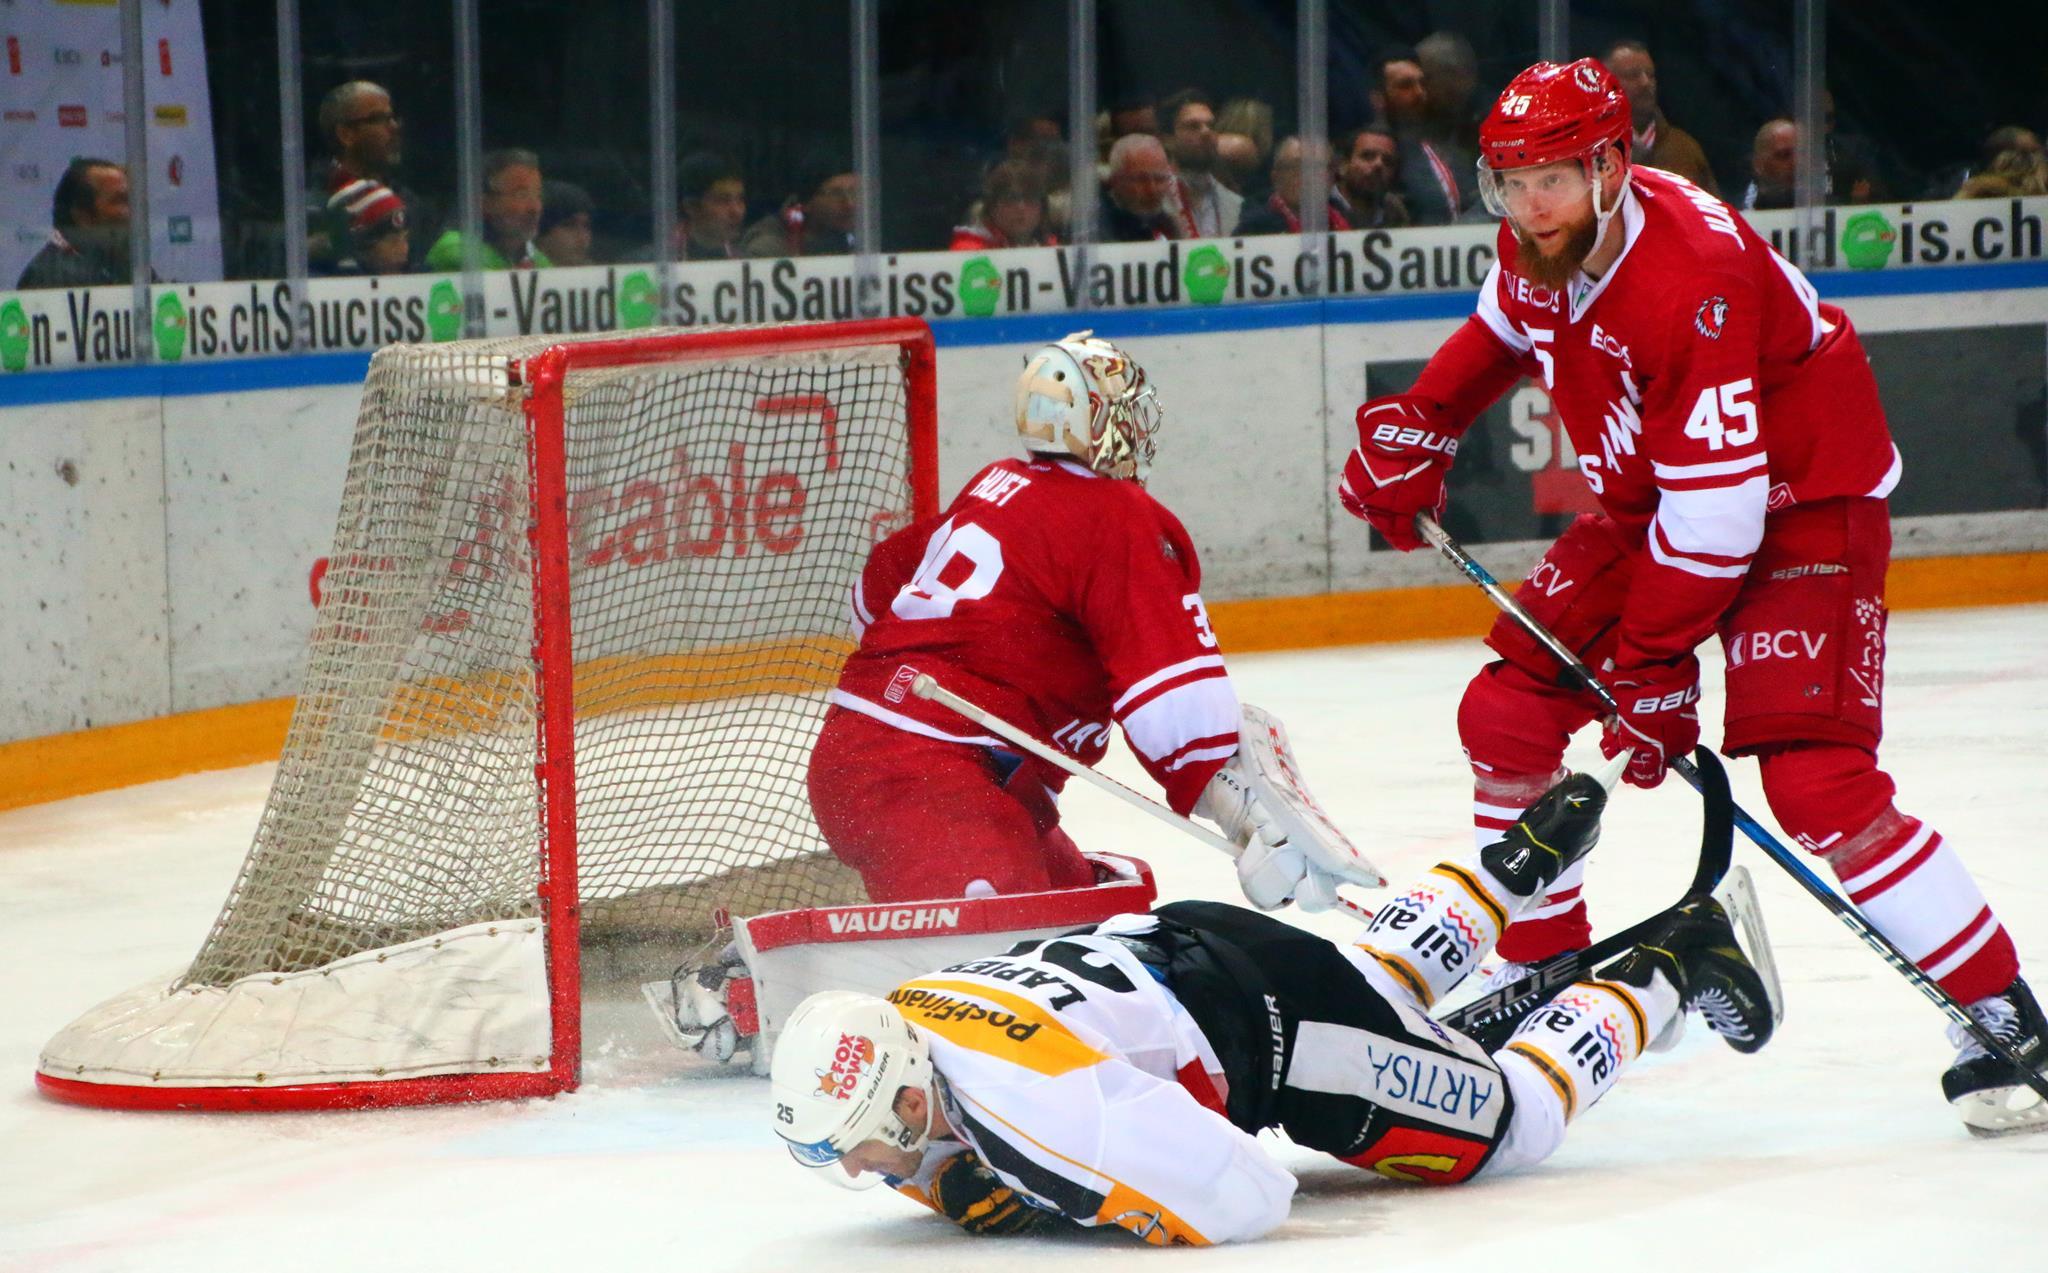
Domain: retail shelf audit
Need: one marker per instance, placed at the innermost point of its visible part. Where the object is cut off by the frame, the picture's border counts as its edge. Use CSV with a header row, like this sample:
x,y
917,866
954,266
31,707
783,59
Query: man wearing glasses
x,y
365,139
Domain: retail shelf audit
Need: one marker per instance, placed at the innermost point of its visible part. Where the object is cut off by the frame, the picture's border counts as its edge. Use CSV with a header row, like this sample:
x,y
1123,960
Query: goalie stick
x,y
1801,874
925,687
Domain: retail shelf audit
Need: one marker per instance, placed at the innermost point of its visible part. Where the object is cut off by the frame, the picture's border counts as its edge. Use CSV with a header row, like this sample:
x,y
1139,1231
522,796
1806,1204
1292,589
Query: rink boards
x,y
159,547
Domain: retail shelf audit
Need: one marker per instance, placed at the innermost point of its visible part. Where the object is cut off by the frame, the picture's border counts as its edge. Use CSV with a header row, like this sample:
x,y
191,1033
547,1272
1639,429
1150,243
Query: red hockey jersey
x,y
1703,384
1059,600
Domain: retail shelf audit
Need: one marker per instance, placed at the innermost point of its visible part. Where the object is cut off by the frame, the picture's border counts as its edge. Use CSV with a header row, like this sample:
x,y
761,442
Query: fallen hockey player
x,y
1115,1076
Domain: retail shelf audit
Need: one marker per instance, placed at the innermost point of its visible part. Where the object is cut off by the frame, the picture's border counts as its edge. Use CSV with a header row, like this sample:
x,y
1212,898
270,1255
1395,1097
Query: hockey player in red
x,y
1729,425
1057,594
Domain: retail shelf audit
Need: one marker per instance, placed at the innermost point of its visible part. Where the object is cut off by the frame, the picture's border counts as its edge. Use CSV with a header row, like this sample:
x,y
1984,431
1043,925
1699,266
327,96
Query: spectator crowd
x,y
1176,166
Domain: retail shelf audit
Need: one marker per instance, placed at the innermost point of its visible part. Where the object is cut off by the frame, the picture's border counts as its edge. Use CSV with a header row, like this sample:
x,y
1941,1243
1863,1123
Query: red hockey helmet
x,y
1550,113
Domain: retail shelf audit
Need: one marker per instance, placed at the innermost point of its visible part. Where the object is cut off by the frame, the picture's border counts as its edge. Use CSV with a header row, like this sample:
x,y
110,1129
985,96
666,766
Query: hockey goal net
x,y
585,600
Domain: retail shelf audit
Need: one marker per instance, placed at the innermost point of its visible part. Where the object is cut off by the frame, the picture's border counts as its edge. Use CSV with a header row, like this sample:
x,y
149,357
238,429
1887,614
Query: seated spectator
x,y
2014,174
511,214
2010,137
565,210
88,244
1437,181
818,221
366,142
377,240
1011,213
1034,140
1949,183
1237,161
713,206
1773,165
1853,166
1133,205
1281,212
1659,143
1039,143
1244,143
1368,168
1208,208
1450,71
1133,113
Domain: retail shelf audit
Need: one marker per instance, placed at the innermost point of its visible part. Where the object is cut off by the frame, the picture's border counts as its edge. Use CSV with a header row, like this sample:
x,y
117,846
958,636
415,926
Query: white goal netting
x,y
719,508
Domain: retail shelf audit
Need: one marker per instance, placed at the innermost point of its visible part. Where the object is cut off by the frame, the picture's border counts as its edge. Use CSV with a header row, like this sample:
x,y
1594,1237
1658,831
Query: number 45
x,y
1717,409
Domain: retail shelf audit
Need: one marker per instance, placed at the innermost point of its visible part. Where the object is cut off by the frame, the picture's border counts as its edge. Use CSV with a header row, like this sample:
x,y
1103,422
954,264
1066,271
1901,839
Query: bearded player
x,y
1729,425
1056,593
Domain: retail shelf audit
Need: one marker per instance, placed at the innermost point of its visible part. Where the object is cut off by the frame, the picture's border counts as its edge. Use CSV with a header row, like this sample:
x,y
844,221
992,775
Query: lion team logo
x,y
1711,317
850,1060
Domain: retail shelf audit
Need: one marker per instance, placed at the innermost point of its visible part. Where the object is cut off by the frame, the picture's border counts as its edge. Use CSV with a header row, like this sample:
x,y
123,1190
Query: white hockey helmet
x,y
1083,398
840,1061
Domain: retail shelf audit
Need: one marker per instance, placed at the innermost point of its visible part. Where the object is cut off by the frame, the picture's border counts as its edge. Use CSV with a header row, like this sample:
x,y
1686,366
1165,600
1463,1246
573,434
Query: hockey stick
x,y
1802,874
1493,1017
925,687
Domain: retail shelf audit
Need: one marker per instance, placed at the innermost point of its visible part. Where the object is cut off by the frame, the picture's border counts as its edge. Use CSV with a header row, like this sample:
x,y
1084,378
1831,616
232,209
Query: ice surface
x,y
1830,1150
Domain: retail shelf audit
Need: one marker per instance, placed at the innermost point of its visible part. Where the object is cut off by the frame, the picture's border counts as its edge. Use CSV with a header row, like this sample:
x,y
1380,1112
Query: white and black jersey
x,y
1117,1074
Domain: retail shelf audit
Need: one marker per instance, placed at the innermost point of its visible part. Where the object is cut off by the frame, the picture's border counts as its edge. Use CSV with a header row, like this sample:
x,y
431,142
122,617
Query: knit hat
x,y
371,208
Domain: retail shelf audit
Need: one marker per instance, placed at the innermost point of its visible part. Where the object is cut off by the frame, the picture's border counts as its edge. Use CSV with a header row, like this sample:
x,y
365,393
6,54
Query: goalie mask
x,y
840,1061
1084,399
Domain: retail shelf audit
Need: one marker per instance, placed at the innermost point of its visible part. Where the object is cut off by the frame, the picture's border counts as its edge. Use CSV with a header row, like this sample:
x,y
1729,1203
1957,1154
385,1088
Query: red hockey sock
x,y
1514,728
1897,870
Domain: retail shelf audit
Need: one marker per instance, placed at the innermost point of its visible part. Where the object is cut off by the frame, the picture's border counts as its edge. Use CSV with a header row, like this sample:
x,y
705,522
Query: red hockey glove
x,y
1660,717
1405,447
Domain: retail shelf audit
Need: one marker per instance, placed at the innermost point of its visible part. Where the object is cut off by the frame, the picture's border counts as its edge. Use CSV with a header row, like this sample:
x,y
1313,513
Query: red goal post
x,y
541,709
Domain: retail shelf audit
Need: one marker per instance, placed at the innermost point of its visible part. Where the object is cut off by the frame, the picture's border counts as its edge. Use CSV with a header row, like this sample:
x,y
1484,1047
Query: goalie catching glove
x,y
1288,849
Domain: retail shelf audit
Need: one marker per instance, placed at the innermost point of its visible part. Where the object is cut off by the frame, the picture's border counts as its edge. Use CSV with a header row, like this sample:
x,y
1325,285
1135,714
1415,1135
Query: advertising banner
x,y
61,99
89,327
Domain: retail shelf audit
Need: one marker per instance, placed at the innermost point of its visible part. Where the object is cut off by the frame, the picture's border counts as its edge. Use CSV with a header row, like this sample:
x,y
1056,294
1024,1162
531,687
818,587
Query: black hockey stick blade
x,y
1491,1018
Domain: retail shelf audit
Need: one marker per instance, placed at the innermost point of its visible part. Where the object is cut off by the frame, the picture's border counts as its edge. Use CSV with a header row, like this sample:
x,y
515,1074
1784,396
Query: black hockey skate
x,y
1559,829
1698,953
1986,1088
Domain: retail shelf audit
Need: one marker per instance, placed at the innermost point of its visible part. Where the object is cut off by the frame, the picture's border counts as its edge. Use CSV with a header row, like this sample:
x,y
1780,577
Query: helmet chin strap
x,y
1602,215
